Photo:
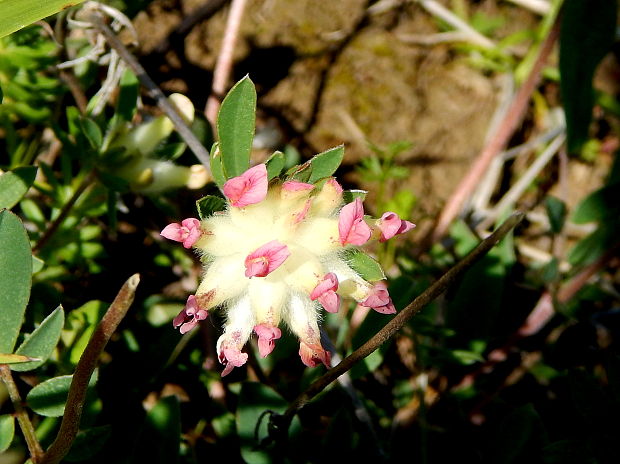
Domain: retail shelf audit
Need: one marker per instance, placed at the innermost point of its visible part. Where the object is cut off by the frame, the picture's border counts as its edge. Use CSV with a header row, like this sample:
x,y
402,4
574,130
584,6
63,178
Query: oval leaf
x,y
15,278
216,165
365,266
235,127
325,164
7,430
49,397
275,164
210,204
14,185
40,343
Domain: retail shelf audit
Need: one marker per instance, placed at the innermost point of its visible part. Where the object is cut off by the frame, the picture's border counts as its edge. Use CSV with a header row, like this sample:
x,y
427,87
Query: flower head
x,y
276,255
390,225
188,232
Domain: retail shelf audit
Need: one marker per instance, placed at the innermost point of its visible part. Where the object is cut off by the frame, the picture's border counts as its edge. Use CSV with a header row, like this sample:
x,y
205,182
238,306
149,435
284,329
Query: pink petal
x,y
266,338
294,186
173,232
301,215
379,299
248,188
188,232
231,358
266,259
191,315
351,226
329,282
391,224
330,301
312,354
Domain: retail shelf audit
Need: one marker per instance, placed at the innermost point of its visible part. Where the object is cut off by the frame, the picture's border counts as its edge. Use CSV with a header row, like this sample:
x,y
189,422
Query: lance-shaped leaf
x,y
365,266
235,127
210,204
15,278
41,343
49,397
325,164
7,430
12,358
19,13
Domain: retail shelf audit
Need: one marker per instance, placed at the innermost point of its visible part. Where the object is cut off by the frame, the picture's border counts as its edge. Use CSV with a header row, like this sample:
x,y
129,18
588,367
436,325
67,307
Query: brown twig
x,y
36,452
154,91
223,65
86,365
281,423
497,143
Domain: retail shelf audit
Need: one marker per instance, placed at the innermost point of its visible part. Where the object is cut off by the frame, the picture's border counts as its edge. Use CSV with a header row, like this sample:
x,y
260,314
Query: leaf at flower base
x,y
48,398
275,164
587,35
210,204
235,127
350,195
365,266
556,211
217,171
14,185
7,431
12,358
92,132
41,343
325,164
15,278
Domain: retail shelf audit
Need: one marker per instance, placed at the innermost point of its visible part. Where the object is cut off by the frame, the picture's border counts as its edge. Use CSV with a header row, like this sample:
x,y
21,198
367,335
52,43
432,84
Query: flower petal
x,y
379,299
191,315
248,188
312,354
351,226
173,232
391,224
266,338
294,186
231,358
188,232
266,259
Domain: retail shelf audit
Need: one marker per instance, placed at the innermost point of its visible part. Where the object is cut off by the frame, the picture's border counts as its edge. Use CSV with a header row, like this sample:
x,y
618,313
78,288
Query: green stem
x,y
281,423
86,365
36,452
64,212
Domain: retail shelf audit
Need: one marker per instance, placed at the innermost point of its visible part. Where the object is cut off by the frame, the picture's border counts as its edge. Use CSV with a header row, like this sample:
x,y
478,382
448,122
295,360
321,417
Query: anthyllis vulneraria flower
x,y
278,252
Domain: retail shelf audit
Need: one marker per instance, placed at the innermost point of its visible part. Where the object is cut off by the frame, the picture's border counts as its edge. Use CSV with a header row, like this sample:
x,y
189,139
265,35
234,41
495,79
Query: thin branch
x,y
36,452
498,142
64,212
154,91
281,423
223,65
86,365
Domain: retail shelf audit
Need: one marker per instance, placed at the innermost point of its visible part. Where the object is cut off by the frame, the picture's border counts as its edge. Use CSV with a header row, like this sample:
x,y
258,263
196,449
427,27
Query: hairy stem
x,y
36,452
281,423
86,365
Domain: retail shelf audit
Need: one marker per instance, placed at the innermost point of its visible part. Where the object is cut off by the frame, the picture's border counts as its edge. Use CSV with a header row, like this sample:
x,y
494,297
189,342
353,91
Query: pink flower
x,y
390,225
312,354
190,316
266,259
248,188
187,232
294,186
325,292
379,299
266,338
231,358
301,215
351,226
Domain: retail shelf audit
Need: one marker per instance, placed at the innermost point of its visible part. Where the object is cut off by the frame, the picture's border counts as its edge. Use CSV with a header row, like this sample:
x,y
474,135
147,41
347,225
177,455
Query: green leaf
x,y
365,266
81,324
15,358
14,185
350,195
210,204
590,248
216,165
556,210
161,434
92,132
235,127
88,443
256,403
19,13
599,205
37,264
15,278
127,96
7,430
275,164
41,343
325,164
48,398
588,32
